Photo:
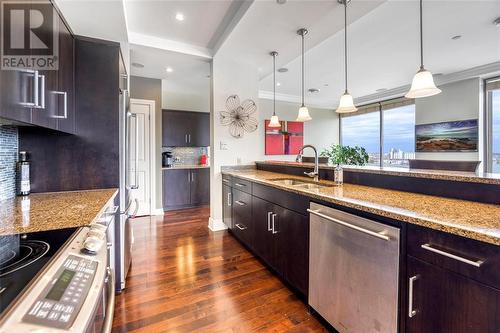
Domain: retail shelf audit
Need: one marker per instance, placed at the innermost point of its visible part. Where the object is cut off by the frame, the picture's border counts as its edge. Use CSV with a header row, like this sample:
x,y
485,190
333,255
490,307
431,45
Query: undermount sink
x,y
300,183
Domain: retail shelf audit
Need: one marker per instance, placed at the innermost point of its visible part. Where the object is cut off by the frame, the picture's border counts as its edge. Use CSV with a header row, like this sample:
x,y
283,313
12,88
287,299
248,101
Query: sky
x,y
399,130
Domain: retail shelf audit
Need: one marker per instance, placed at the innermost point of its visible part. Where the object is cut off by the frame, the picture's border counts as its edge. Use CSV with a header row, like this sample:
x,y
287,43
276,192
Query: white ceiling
x,y
384,49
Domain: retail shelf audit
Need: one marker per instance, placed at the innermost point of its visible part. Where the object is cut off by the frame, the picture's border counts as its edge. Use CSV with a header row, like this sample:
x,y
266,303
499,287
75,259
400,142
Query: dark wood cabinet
x,y
184,188
242,226
185,129
445,301
200,187
176,189
266,241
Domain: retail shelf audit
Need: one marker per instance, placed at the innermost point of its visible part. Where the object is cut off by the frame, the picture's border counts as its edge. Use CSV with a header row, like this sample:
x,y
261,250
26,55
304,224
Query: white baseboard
x,y
157,211
216,224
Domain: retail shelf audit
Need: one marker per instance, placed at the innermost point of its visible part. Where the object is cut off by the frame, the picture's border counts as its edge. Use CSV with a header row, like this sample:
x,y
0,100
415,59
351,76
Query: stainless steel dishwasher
x,y
353,271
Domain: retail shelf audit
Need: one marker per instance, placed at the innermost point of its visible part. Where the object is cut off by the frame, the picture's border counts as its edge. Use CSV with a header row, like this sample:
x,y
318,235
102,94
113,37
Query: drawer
x,y
242,224
242,185
476,260
226,179
292,201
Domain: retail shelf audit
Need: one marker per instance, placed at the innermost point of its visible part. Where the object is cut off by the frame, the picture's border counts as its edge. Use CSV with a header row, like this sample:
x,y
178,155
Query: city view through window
x,y
496,130
398,135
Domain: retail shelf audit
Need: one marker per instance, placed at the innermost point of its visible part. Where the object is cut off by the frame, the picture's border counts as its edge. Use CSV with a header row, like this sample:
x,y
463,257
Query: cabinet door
x,y
199,132
227,206
176,189
64,97
294,248
264,240
200,186
16,94
444,302
242,217
175,128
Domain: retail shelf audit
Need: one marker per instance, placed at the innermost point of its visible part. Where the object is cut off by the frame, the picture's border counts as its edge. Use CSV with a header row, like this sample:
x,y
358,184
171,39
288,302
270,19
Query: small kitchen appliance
x,y
167,159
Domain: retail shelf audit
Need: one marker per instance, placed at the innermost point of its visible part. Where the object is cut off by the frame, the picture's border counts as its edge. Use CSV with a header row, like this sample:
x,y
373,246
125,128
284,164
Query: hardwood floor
x,y
185,278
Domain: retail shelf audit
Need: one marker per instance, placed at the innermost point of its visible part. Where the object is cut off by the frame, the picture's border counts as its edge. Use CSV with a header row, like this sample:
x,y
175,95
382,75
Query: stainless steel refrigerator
x,y
128,181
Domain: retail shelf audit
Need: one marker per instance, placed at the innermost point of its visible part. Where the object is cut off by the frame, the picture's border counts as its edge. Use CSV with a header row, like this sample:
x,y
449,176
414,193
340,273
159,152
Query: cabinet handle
x,y
225,180
476,263
239,226
42,92
189,138
65,96
189,177
273,221
239,185
411,311
241,203
33,104
229,199
192,177
185,138
351,226
269,228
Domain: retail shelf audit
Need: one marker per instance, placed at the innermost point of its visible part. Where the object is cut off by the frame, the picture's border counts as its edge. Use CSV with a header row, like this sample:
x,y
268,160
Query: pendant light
x,y
274,119
303,111
423,82
346,103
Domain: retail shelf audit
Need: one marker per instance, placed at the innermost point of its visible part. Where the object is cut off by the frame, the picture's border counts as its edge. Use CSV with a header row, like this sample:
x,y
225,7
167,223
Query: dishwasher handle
x,y
379,235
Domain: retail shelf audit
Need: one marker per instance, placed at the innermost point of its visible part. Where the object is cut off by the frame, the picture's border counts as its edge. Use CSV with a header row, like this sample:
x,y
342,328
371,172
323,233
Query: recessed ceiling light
x,y
282,70
314,90
179,17
497,22
281,2
137,65
456,37
169,70
381,89
326,85
278,84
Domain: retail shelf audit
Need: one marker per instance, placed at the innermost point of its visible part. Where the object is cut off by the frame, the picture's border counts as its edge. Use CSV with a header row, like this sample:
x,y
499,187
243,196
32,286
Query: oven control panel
x,y
61,300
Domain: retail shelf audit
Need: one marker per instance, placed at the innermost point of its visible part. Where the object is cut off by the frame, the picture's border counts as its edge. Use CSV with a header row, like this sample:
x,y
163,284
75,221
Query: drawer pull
x,y
225,181
239,185
476,263
241,203
269,214
273,221
239,226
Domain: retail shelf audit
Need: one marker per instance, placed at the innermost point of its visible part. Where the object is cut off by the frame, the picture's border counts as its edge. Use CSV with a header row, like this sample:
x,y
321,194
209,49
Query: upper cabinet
x,y
43,98
185,129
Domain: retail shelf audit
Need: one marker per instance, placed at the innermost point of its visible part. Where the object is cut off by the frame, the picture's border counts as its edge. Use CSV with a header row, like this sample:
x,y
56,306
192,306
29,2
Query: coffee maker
x,y
167,159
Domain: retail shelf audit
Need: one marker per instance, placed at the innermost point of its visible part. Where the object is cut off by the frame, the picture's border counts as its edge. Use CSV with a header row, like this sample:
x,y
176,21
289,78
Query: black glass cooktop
x,y
22,256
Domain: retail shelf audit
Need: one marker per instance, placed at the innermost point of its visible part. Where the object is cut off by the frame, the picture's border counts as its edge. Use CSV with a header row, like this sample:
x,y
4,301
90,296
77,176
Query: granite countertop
x,y
51,211
460,176
464,218
180,167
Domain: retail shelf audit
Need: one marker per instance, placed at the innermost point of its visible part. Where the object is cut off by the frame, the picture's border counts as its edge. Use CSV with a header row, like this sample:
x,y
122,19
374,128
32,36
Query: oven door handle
x,y
110,306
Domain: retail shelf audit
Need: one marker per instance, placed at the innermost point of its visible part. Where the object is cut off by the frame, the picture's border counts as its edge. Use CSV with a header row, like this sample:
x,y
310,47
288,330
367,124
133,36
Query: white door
x,y
140,153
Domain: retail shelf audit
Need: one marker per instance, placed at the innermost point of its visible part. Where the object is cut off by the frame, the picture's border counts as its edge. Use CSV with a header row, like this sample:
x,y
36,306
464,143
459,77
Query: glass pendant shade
x,y
274,122
422,85
346,104
303,114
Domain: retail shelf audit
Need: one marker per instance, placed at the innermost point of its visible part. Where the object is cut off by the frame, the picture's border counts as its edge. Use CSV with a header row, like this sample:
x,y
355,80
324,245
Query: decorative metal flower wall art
x,y
239,117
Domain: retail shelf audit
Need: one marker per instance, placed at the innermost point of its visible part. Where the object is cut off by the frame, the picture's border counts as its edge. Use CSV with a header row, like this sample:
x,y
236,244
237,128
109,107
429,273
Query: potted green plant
x,y
339,155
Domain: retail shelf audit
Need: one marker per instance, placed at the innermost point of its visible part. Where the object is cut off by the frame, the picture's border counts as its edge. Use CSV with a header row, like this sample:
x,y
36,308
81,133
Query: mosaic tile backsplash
x,y
8,159
187,155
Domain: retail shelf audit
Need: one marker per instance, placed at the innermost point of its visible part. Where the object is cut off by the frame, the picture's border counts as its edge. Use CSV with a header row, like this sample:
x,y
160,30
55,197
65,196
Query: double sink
x,y
301,184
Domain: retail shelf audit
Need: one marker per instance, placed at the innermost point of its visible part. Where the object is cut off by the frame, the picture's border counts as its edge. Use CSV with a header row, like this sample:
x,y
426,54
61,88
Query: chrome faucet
x,y
314,174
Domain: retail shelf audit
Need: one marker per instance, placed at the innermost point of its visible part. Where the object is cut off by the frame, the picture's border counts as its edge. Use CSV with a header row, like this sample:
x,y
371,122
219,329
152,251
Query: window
x,y
493,118
399,135
397,132
363,130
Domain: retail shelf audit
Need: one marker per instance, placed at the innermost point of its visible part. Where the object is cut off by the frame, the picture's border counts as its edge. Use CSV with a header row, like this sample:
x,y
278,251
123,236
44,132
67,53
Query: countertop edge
x,y
469,233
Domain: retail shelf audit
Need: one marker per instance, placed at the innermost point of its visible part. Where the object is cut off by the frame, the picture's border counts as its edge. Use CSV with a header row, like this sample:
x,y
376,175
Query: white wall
x,y
321,131
179,95
460,100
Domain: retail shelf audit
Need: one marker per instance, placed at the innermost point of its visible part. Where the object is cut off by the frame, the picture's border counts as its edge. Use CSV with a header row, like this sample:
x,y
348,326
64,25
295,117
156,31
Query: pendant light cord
x,y
274,84
421,38
345,42
303,33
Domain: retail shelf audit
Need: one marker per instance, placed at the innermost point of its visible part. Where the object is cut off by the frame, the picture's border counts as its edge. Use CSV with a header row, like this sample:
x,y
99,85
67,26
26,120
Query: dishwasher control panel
x,y
59,303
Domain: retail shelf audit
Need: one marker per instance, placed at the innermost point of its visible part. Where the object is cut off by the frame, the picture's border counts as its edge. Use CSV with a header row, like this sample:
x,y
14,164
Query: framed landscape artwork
x,y
447,136
284,140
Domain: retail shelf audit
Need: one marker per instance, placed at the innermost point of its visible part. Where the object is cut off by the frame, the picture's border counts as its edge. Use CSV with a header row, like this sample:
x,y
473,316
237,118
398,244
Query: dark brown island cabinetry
x,y
278,235
183,188
453,283
185,129
44,98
